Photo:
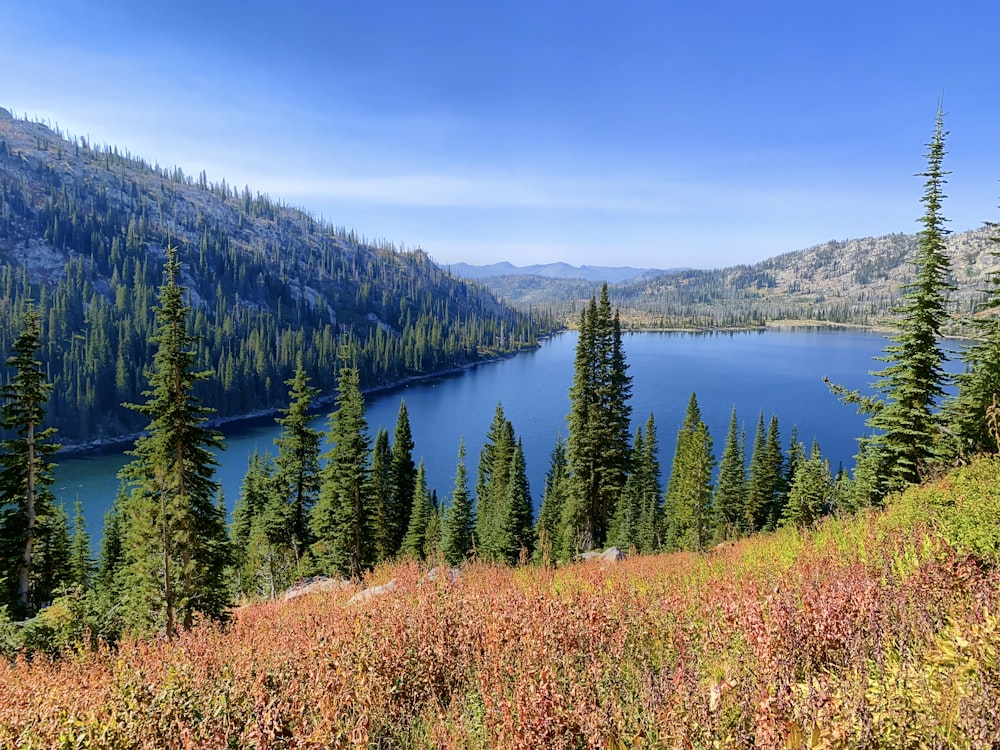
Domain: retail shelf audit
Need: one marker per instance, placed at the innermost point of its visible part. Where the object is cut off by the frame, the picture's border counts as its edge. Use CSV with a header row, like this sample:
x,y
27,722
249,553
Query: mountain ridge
x,y
557,270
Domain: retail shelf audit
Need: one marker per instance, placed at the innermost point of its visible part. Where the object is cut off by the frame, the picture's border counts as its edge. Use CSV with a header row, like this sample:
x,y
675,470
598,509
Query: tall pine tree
x,y
342,518
907,426
599,428
297,469
27,508
175,543
457,539
731,487
687,504
403,478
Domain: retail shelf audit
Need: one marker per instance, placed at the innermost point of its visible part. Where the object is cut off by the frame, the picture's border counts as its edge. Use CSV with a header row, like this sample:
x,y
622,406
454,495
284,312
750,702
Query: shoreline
x,y
103,445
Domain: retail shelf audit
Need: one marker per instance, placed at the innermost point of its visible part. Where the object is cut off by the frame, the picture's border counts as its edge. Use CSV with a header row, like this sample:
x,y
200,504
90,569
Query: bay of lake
x,y
777,371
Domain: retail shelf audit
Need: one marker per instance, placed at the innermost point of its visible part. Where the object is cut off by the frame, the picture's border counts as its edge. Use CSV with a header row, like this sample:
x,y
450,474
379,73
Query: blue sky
x,y
656,134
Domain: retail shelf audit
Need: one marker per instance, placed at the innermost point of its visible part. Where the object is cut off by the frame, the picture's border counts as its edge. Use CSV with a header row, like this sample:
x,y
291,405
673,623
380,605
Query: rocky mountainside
x,y
83,231
854,282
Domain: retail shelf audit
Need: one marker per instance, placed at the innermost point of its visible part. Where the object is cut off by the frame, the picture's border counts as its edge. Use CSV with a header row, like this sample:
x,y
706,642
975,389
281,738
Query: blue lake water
x,y
778,372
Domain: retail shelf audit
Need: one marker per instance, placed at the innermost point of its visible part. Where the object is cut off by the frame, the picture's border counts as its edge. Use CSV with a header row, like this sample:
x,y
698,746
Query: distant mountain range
x,y
610,274
856,282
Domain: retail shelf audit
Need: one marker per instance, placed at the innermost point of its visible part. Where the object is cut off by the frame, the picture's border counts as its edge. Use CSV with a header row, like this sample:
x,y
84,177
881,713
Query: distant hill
x,y
610,274
856,282
83,230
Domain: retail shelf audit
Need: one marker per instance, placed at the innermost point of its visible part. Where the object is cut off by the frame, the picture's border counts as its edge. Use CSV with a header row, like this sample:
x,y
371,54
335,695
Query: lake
x,y
778,371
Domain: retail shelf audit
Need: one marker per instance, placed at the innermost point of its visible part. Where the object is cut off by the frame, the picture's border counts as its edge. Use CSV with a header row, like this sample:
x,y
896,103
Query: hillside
x,y
83,231
854,282
878,631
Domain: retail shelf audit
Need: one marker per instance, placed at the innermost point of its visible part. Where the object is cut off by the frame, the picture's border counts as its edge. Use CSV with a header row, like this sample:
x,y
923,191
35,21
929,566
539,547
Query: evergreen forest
x,y
83,237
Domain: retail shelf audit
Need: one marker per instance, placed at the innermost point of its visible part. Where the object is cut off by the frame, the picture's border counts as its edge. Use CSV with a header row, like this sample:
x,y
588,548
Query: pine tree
x,y
515,540
553,498
421,510
342,519
765,481
623,532
731,488
403,479
380,489
297,469
81,563
491,484
907,427
650,491
973,415
687,503
810,493
457,538
599,426
175,543
27,506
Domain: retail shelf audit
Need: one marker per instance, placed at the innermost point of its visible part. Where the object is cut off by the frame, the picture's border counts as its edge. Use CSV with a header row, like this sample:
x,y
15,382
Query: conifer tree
x,y
687,503
421,510
599,427
81,562
623,531
112,555
342,518
175,543
27,507
973,415
907,430
403,478
515,540
264,558
297,469
380,489
731,488
491,484
810,493
650,491
457,542
547,528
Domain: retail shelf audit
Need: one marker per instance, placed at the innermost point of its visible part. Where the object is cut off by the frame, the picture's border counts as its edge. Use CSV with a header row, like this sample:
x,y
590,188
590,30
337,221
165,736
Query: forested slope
x,y
83,231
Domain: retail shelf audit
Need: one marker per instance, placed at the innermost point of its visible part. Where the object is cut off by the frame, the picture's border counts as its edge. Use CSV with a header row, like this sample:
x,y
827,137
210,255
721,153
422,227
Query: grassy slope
x,y
875,631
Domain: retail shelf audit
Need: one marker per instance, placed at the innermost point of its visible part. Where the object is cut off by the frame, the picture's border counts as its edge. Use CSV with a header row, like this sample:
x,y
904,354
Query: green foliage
x,y
730,498
421,513
493,478
598,446
971,415
687,508
31,527
380,488
550,512
515,537
961,507
297,471
402,480
175,544
458,533
810,493
342,518
907,429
